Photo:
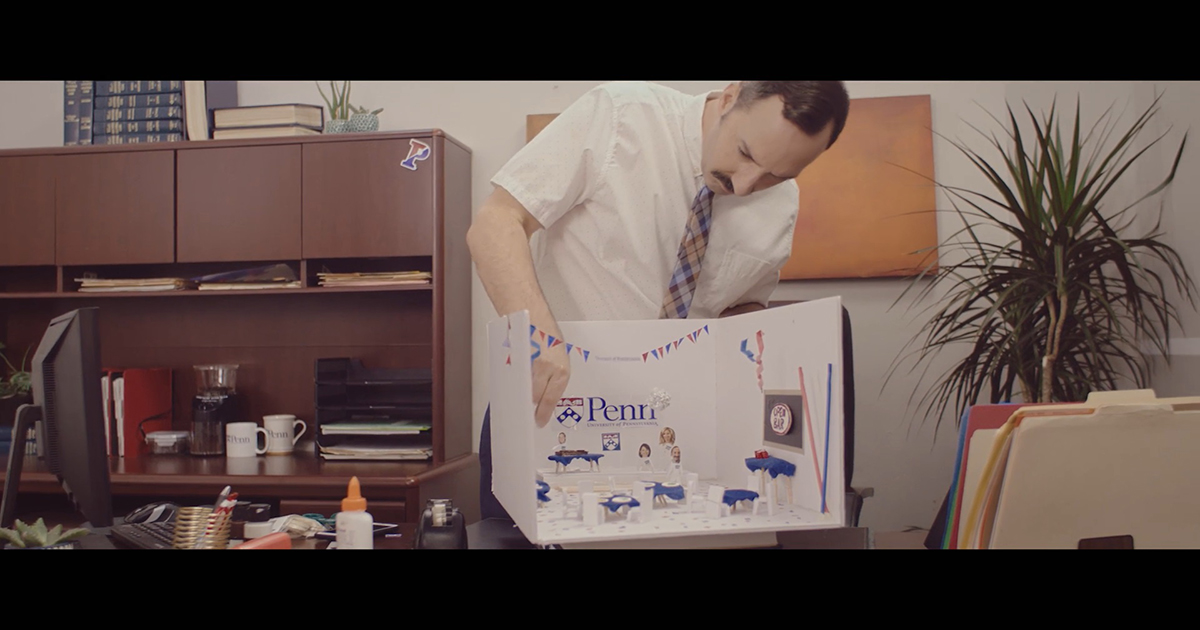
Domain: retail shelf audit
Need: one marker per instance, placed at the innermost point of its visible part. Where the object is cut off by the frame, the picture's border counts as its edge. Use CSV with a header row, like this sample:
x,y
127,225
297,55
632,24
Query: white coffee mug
x,y
241,439
282,433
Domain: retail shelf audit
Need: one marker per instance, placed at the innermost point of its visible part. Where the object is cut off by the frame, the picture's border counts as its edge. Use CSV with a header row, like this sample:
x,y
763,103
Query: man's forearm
x,y
499,246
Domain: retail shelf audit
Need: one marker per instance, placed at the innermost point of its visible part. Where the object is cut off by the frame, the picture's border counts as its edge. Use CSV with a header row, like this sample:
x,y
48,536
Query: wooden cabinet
x,y
346,202
362,199
115,208
26,211
240,203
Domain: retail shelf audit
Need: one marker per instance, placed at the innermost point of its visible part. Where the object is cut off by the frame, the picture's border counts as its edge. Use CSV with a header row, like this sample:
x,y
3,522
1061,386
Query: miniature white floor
x,y
672,520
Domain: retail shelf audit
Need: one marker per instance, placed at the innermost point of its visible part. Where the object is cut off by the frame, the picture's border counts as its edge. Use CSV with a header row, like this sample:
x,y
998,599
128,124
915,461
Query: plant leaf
x,y
13,538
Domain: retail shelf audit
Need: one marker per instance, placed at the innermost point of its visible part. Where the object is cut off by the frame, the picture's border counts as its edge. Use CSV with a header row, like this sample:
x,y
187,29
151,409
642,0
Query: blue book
x,y
140,100
118,88
70,113
86,100
137,127
138,113
137,138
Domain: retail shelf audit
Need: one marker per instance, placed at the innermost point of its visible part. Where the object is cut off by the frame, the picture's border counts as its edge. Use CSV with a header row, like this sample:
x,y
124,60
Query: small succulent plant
x,y
36,535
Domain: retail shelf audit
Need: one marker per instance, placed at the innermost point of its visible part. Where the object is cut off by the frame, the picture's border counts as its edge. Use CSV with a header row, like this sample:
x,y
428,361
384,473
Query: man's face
x,y
752,148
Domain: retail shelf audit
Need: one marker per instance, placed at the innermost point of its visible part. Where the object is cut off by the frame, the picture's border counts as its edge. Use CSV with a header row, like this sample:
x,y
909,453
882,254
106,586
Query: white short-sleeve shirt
x,y
612,180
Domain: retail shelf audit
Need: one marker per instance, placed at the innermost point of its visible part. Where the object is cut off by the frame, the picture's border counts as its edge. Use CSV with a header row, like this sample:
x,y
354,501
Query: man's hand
x,y
551,372
748,307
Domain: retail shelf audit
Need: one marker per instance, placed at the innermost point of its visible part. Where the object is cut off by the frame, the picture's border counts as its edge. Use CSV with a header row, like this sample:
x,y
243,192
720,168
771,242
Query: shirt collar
x,y
693,122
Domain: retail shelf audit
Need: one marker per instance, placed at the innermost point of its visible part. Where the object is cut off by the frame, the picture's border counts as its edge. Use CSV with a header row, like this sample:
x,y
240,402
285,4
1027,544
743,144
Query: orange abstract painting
x,y
856,200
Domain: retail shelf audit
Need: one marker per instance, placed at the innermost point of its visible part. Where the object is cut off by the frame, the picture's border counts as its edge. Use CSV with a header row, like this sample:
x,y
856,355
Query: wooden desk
x,y
396,492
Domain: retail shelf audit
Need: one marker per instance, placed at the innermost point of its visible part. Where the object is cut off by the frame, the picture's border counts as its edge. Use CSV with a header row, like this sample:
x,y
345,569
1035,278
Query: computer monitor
x,y
67,400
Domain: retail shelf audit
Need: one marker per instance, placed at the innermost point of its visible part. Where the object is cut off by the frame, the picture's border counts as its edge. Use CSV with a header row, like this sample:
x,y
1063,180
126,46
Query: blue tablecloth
x,y
565,460
773,465
543,486
733,496
613,504
671,492
542,496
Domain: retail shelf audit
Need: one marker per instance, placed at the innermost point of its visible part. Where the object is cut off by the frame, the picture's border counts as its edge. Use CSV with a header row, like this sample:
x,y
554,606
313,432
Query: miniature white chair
x,y
589,509
715,504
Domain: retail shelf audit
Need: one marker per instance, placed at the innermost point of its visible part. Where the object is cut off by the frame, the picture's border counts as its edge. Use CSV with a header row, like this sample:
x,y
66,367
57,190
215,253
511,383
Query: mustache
x,y
724,179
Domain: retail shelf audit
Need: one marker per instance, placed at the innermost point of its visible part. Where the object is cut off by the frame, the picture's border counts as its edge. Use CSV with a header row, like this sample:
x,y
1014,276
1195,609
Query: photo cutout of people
x,y
675,476
644,456
666,440
562,443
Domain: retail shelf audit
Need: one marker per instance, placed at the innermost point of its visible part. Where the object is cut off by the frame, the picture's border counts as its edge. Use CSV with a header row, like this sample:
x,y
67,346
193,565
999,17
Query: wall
x,y
900,455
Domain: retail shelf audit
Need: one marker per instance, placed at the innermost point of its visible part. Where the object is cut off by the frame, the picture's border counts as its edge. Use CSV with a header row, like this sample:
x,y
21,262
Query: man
x,y
648,203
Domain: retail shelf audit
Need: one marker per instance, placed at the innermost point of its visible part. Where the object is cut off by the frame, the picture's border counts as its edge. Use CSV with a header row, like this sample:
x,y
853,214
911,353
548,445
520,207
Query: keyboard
x,y
144,535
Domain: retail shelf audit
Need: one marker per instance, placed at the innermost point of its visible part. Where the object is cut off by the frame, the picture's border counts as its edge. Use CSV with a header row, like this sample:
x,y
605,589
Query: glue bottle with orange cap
x,y
355,526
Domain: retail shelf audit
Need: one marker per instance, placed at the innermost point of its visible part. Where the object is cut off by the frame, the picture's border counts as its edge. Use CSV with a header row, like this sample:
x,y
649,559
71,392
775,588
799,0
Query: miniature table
x,y
542,496
563,461
662,492
614,504
773,465
543,486
733,497
777,468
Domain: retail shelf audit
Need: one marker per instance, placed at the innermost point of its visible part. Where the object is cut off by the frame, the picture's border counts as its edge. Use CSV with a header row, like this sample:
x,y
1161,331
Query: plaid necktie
x,y
691,253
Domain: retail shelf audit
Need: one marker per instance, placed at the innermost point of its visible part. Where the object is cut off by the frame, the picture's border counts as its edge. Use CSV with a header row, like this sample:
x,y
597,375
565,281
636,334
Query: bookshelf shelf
x,y
54,295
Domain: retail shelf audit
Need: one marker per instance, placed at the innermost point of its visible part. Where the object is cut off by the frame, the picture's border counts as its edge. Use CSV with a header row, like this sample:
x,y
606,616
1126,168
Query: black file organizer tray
x,y
348,392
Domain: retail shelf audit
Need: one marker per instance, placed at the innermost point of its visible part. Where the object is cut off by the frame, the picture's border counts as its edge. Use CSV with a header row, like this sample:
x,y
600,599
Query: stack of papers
x,y
373,279
399,427
97,285
376,453
269,277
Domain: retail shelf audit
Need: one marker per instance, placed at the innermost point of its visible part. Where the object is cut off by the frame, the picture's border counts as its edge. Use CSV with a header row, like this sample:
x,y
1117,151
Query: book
x,y
368,279
127,101
115,88
137,138
70,113
399,427
137,127
174,112
86,112
246,286
99,285
264,132
199,99
293,114
141,401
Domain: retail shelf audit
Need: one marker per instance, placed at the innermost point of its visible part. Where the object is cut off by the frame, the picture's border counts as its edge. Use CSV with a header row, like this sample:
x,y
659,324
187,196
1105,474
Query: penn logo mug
x,y
241,439
283,431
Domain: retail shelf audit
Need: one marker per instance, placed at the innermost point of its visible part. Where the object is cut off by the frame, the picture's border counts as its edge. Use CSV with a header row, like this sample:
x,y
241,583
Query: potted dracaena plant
x,y
15,389
1063,303
344,117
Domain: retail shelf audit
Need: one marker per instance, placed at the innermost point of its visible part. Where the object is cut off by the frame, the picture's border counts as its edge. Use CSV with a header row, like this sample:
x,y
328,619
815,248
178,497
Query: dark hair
x,y
810,105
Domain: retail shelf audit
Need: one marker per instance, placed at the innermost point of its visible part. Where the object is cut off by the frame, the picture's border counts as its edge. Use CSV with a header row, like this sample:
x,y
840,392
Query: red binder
x,y
138,401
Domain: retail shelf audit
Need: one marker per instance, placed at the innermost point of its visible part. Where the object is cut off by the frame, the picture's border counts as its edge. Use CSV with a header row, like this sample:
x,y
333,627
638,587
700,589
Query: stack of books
x,y
267,121
132,112
100,285
373,279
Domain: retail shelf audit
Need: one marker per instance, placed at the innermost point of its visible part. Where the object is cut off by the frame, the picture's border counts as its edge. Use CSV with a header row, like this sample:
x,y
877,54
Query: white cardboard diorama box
x,y
660,435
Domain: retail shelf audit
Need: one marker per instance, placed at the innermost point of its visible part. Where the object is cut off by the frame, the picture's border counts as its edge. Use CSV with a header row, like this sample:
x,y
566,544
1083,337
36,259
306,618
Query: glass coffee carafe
x,y
217,403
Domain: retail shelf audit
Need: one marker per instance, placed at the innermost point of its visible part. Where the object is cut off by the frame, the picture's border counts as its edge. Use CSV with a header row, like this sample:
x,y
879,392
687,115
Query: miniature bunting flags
x,y
585,355
644,355
690,338
551,337
655,353
568,348
668,348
